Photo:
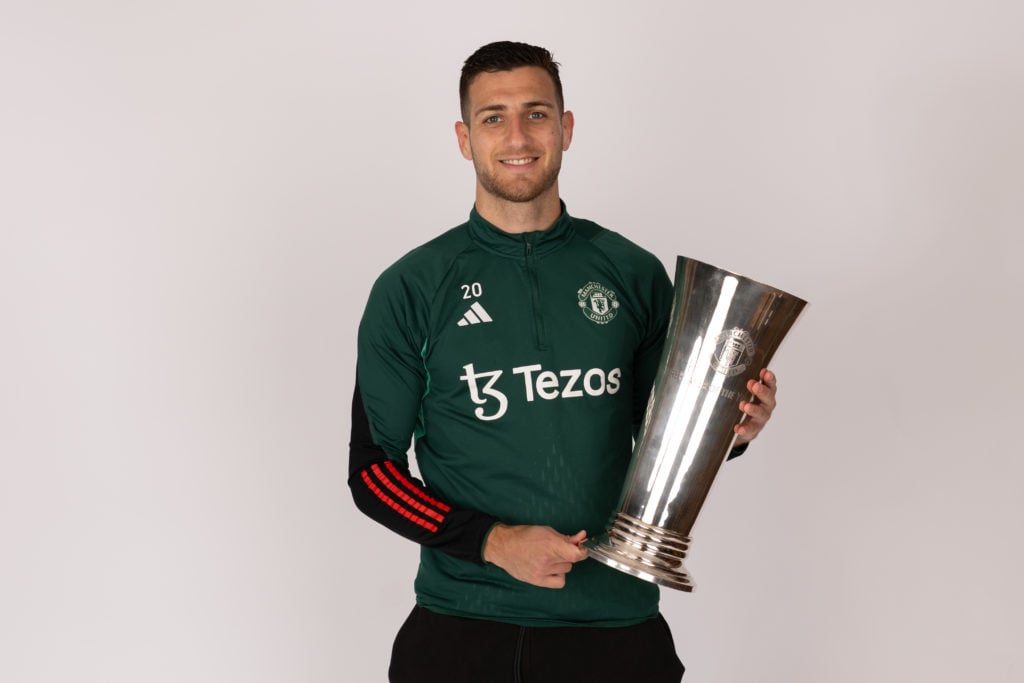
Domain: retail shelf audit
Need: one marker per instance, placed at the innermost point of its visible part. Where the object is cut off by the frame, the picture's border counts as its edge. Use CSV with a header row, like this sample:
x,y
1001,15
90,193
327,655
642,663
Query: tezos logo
x,y
492,403
598,303
733,350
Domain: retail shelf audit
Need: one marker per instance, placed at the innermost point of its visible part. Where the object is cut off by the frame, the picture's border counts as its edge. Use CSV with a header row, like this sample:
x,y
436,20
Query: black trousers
x,y
435,648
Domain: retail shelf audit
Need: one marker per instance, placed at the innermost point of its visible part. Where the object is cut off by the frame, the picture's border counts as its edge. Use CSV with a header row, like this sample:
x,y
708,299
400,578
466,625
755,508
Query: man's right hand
x,y
538,555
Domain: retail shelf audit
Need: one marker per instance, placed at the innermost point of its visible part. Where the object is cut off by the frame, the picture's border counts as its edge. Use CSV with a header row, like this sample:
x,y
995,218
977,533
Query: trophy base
x,y
647,552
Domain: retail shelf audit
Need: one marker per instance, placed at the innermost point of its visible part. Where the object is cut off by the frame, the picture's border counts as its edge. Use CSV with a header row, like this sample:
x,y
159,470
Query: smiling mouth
x,y
519,162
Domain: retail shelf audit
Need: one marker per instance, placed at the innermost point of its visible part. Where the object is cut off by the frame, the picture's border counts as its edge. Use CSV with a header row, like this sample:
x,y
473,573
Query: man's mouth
x,y
523,161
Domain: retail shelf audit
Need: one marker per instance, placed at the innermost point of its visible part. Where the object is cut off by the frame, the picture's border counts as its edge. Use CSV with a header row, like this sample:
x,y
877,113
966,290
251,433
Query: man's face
x,y
514,133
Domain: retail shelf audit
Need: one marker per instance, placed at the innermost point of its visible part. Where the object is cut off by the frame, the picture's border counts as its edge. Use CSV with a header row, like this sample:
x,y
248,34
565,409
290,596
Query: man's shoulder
x,y
432,258
450,242
616,245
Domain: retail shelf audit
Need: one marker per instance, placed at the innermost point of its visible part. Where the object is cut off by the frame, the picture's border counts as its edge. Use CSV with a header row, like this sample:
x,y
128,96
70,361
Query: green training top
x,y
522,364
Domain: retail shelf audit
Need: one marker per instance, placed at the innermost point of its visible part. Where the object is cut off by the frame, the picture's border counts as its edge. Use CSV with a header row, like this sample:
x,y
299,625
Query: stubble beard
x,y
517,190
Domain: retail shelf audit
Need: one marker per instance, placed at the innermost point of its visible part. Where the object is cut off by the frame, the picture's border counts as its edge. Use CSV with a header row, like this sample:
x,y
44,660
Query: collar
x,y
541,242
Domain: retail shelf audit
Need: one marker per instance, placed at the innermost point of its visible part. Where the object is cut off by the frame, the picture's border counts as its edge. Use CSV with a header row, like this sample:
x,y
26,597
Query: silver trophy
x,y
723,329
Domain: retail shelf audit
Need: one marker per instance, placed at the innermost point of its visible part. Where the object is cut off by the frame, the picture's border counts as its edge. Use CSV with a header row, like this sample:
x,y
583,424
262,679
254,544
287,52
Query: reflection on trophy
x,y
724,328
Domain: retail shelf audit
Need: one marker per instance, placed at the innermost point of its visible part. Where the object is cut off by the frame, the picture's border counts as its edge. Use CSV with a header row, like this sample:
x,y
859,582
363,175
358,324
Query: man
x,y
519,348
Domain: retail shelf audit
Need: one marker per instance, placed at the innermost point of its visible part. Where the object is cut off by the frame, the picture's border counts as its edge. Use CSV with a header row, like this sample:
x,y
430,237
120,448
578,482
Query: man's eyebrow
x,y
490,107
504,107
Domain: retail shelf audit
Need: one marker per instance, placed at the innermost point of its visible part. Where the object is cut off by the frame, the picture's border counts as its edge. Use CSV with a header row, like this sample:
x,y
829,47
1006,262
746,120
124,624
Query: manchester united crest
x,y
598,303
733,351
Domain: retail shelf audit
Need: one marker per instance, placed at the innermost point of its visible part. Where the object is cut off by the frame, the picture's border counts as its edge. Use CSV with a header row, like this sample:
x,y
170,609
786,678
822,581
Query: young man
x,y
519,348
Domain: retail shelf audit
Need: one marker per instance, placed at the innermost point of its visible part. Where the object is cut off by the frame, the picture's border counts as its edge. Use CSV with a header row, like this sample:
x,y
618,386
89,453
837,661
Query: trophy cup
x,y
723,329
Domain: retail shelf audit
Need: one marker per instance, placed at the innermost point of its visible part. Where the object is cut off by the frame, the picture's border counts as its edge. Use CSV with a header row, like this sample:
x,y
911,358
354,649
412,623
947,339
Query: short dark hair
x,y
506,55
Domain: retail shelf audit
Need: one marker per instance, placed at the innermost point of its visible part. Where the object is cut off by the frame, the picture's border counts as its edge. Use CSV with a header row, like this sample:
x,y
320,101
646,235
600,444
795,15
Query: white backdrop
x,y
195,198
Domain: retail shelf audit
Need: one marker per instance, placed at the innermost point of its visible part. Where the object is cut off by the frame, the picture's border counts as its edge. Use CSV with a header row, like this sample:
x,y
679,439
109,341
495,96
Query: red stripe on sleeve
x,y
387,500
415,489
419,507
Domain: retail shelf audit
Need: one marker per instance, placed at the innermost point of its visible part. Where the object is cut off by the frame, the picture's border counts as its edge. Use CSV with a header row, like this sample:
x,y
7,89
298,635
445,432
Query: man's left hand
x,y
759,410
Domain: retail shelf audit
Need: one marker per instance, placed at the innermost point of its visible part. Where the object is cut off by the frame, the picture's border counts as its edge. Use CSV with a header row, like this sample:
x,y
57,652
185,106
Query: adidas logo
x,y
475,315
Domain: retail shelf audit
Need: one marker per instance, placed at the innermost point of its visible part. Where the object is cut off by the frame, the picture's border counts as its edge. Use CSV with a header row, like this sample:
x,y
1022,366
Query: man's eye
x,y
537,114
492,119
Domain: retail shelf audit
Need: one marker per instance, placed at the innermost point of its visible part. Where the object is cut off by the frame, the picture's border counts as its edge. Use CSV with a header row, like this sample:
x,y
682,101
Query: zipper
x,y
531,275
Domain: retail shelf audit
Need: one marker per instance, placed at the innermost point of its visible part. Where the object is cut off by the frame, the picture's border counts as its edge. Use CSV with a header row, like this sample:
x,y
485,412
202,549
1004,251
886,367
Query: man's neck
x,y
519,217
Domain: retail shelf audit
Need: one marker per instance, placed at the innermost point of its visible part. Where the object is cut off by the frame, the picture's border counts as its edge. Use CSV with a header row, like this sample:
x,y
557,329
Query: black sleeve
x,y
738,451
386,491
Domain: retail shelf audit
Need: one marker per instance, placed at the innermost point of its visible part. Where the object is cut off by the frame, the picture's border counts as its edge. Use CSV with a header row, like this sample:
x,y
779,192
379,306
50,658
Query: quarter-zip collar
x,y
515,245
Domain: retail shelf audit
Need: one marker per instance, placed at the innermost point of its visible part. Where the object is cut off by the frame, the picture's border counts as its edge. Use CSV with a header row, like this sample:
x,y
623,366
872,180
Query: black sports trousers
x,y
435,648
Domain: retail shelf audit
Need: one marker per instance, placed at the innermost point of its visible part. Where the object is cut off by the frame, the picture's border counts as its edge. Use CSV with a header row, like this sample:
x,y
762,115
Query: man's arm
x,y
385,490
390,384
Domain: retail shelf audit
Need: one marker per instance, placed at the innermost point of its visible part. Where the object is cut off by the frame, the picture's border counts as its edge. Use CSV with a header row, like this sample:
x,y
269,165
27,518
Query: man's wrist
x,y
485,555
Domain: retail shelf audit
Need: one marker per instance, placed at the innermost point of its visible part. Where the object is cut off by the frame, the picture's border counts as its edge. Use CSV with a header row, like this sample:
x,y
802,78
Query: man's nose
x,y
516,131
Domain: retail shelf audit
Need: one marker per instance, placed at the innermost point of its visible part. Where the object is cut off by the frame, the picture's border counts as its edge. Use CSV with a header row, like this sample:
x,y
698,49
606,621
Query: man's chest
x,y
505,331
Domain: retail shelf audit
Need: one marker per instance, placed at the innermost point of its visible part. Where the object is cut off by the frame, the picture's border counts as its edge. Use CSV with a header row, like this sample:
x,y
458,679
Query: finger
x,y
570,553
748,430
768,377
762,393
757,412
579,552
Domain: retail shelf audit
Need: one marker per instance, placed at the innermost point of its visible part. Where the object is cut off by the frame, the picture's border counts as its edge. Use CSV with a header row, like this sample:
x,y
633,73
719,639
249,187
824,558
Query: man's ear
x,y
568,121
462,133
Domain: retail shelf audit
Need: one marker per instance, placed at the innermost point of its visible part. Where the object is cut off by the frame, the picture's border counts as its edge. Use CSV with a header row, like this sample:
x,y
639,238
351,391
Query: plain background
x,y
195,198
